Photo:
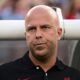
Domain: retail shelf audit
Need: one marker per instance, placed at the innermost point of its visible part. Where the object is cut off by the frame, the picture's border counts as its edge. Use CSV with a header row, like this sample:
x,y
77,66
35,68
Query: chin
x,y
41,56
40,53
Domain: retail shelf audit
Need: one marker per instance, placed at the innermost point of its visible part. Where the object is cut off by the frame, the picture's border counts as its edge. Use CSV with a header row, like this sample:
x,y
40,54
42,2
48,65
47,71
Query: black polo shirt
x,y
24,69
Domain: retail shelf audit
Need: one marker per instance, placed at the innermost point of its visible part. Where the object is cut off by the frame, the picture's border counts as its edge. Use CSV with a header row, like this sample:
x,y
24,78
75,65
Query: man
x,y
40,62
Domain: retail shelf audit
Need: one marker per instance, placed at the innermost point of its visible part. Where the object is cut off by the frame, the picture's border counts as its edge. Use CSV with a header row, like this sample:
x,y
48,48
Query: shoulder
x,y
67,71
11,65
74,73
71,69
9,69
18,64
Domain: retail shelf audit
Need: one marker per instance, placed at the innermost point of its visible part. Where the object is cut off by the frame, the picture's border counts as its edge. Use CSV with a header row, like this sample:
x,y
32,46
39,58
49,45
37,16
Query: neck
x,y
44,65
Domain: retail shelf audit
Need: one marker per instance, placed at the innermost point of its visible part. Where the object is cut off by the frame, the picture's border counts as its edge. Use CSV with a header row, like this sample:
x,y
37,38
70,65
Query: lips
x,y
39,44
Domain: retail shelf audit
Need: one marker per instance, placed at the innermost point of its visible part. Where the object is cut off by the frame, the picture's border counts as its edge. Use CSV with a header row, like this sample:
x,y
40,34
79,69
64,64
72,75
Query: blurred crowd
x,y
16,10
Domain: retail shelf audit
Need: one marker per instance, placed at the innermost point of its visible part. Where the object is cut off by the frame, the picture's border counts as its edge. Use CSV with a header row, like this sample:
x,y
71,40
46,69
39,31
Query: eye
x,y
45,27
31,29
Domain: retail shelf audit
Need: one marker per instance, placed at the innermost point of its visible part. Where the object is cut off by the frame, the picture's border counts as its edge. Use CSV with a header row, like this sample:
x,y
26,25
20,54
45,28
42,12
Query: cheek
x,y
51,36
29,38
52,39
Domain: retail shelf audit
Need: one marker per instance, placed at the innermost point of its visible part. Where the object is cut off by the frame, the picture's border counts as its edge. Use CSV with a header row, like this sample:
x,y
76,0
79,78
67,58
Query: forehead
x,y
41,10
41,15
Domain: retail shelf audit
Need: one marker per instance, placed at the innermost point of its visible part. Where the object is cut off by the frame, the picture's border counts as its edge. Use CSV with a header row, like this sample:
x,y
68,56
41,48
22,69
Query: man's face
x,y
42,34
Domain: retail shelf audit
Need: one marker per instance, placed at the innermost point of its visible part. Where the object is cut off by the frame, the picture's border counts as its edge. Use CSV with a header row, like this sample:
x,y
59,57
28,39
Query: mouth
x,y
39,44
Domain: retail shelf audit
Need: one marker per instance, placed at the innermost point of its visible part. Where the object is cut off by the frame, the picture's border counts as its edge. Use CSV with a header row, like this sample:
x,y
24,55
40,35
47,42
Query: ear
x,y
60,31
25,34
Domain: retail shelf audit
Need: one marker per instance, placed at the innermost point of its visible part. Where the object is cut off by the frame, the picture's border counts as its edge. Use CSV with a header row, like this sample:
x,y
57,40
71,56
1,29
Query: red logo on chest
x,y
67,78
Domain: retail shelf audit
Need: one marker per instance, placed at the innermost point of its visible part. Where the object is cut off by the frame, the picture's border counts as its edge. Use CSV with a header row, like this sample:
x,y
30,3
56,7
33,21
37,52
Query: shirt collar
x,y
27,62
59,65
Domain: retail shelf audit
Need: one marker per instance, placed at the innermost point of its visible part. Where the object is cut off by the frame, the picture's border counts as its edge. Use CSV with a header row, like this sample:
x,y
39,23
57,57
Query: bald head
x,y
41,10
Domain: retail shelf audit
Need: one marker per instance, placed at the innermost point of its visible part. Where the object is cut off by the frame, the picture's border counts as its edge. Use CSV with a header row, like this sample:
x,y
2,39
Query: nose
x,y
38,33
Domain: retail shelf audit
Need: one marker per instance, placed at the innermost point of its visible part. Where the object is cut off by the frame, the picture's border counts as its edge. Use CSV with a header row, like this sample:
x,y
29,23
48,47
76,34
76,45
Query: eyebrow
x,y
30,26
45,25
